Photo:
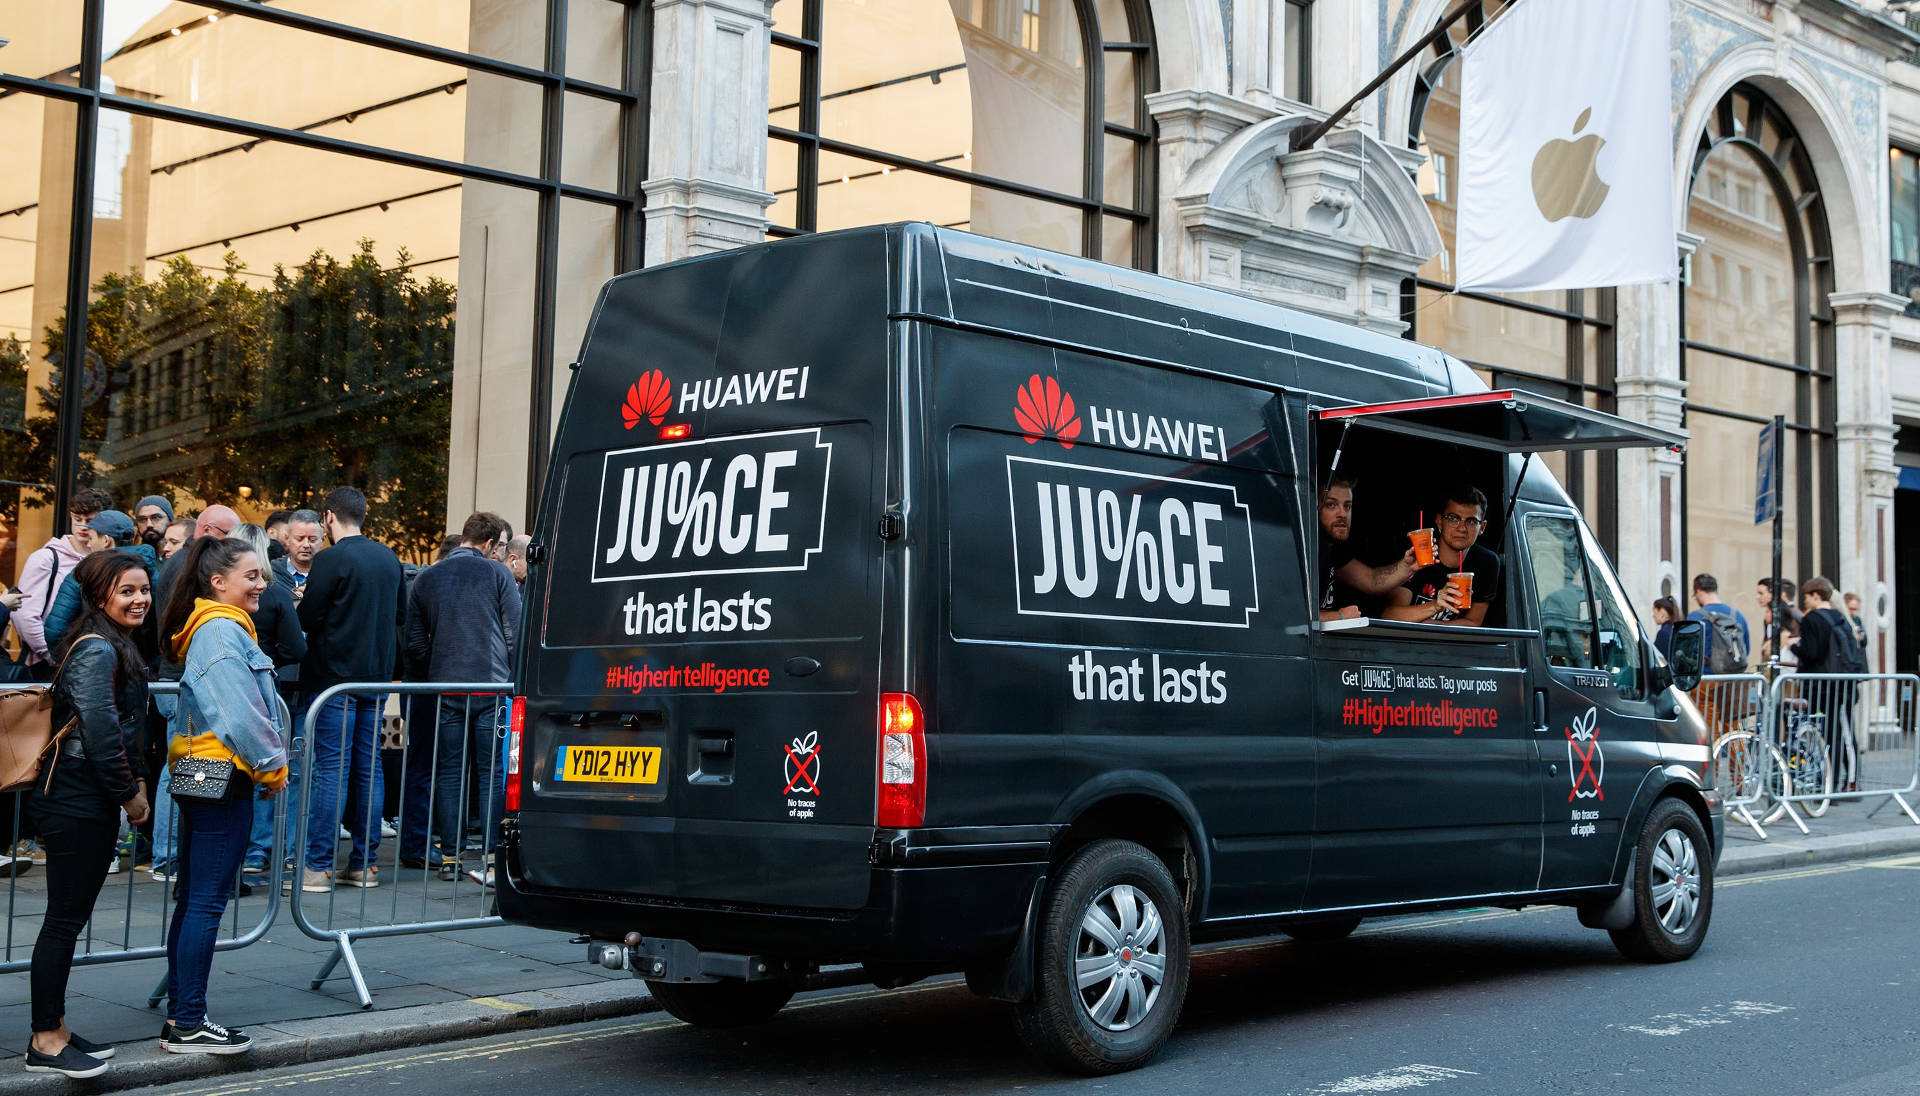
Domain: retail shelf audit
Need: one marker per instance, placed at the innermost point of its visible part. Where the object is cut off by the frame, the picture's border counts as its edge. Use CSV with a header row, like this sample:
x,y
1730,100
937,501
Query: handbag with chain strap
x,y
200,779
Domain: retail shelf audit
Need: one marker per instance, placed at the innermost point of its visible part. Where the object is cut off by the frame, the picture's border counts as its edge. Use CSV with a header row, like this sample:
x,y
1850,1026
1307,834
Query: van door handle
x,y
1539,711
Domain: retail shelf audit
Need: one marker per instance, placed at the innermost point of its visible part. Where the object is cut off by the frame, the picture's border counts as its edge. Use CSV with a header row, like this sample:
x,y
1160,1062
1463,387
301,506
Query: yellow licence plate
x,y
608,764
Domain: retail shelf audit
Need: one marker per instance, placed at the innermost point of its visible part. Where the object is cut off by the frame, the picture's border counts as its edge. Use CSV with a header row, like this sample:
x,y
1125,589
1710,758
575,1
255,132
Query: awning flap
x,y
1507,421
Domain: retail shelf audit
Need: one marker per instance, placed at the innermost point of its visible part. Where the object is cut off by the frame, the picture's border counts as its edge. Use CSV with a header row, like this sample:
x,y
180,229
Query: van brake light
x,y
902,799
516,727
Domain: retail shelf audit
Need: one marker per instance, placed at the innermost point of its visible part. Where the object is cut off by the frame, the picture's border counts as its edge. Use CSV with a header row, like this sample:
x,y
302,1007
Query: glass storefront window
x,y
193,57
1751,349
267,330
38,134
999,90
43,39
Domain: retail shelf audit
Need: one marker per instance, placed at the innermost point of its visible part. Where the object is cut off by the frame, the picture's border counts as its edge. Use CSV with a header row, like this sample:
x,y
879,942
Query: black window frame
x,y
80,85
1135,49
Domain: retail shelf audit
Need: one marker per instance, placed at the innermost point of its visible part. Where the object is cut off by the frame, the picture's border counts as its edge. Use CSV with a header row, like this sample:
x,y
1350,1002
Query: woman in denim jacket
x,y
228,711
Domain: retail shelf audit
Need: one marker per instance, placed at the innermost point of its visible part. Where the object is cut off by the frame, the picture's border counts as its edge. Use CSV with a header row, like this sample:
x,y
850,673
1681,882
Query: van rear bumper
x,y
948,914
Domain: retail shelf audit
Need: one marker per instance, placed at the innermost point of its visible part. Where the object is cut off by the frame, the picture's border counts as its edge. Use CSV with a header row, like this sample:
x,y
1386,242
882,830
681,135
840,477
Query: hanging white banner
x,y
1566,148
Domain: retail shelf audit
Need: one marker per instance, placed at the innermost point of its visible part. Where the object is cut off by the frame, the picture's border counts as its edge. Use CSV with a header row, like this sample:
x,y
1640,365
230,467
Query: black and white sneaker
x,y
88,1047
71,1062
206,1037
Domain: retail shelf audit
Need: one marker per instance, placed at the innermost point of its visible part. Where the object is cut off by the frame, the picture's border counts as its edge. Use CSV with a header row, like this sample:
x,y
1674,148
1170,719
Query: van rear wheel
x,y
1672,887
1111,961
722,1004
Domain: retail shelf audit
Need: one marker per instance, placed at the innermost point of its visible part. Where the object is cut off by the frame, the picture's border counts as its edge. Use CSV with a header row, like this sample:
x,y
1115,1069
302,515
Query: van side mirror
x,y
1689,653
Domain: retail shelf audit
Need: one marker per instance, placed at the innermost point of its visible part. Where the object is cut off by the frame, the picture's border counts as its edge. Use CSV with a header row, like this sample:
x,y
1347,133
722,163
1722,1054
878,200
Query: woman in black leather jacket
x,y
100,686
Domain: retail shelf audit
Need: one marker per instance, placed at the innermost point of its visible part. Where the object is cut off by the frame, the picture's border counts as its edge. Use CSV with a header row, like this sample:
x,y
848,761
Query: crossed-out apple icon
x,y
1566,180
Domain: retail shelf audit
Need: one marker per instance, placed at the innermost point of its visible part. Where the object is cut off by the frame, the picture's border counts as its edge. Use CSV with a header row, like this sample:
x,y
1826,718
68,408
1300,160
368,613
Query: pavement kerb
x,y
302,1042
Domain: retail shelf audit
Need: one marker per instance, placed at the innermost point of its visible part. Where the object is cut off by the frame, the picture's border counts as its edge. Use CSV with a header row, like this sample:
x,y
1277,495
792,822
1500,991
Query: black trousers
x,y
78,853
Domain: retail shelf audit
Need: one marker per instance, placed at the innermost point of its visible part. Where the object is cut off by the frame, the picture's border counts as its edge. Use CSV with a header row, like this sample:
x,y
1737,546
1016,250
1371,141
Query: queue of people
x,y
243,616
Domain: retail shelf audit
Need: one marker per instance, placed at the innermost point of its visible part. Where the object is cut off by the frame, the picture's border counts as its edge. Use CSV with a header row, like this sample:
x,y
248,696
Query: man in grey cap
x,y
151,518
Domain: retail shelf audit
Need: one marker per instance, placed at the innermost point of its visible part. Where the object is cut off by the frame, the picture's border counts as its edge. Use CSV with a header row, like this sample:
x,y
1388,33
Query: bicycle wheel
x,y
1737,767
1814,773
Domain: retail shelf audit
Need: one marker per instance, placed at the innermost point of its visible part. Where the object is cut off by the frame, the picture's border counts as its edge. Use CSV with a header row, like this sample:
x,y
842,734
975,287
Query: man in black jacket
x,y
351,610
461,618
1826,646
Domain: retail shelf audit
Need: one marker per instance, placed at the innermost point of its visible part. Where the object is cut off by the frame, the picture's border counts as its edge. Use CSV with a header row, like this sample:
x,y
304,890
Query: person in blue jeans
x,y
347,789
351,609
461,617
461,754
278,626
228,711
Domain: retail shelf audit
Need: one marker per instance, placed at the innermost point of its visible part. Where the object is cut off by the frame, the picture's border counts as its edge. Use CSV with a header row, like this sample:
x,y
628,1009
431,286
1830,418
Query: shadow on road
x,y
938,1037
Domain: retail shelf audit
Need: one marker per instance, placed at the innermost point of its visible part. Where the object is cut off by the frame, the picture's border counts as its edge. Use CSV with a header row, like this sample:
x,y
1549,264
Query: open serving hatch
x,y
1506,421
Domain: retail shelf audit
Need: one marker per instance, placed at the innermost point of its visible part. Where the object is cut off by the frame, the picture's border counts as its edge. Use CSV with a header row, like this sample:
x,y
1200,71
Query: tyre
x,y
1321,932
1110,962
1672,887
722,1004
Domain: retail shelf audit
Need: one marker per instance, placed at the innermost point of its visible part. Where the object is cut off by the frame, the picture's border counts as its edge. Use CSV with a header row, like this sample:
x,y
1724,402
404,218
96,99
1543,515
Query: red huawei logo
x,y
1045,410
648,399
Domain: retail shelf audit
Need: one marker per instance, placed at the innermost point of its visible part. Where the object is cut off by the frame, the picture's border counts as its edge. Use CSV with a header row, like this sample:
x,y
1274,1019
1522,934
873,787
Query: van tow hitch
x,y
680,961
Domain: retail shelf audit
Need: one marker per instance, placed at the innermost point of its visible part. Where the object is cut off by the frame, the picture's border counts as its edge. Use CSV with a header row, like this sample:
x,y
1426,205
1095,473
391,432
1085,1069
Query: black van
x,y
925,601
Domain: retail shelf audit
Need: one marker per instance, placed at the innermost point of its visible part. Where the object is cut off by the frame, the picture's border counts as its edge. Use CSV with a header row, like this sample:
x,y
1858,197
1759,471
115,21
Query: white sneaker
x,y
387,829
485,879
346,834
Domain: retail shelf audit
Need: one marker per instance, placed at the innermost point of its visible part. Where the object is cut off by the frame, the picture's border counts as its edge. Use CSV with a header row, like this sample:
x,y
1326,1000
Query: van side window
x,y
1620,646
1560,589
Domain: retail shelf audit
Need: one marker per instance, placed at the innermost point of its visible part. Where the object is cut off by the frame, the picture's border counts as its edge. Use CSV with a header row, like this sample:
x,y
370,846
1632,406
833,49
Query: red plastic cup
x,y
1462,583
1422,547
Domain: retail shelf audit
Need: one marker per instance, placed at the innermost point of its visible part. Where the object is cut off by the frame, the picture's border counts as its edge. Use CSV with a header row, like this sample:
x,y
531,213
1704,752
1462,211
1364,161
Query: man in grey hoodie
x,y
47,568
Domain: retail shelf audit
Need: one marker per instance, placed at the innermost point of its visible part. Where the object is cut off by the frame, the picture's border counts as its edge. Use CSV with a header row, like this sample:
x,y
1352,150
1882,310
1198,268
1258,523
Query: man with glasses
x,y
1428,597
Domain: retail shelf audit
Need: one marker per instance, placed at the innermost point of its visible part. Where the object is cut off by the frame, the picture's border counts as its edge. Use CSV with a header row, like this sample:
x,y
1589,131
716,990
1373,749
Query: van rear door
x,y
702,675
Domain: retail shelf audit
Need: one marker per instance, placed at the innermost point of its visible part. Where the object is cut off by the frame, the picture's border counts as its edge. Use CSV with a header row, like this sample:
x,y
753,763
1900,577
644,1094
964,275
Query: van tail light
x,y
902,802
516,728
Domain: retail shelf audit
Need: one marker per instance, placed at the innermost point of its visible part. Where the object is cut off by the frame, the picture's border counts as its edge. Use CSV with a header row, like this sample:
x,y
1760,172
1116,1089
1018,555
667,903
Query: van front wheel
x,y
1672,887
722,1004
1111,962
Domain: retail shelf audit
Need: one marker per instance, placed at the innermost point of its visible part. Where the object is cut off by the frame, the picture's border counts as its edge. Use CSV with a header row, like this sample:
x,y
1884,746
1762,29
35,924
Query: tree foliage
x,y
339,372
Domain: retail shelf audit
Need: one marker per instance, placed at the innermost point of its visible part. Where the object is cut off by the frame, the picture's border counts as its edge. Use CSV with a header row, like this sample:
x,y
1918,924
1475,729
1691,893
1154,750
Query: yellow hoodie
x,y
206,743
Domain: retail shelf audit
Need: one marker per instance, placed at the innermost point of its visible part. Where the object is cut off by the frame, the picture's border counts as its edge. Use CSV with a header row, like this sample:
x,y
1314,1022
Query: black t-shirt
x,y
1334,554
1427,582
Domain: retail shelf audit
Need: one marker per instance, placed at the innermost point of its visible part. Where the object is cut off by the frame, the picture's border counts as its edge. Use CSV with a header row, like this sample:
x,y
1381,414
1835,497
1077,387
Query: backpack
x,y
1726,648
1847,657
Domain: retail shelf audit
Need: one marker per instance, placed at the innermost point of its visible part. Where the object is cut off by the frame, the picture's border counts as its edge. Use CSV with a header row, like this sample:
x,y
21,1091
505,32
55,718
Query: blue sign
x,y
1766,492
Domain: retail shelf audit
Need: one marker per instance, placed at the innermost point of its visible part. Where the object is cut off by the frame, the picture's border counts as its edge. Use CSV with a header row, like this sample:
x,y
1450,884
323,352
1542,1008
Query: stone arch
x,y
1190,44
1394,106
1851,198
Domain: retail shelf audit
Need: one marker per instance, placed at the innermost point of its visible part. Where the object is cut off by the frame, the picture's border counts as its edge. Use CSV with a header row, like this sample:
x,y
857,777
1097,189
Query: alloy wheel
x,y
1121,962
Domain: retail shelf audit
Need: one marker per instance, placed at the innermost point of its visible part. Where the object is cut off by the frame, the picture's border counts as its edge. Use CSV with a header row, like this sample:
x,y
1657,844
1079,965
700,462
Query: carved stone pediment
x,y
1332,229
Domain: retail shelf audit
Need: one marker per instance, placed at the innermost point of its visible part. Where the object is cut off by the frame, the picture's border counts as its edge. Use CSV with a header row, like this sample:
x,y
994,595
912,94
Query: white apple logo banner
x,y
1566,148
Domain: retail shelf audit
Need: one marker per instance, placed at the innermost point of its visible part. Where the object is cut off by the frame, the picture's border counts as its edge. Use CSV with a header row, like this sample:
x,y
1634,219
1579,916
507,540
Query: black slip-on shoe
x,y
88,1047
70,1062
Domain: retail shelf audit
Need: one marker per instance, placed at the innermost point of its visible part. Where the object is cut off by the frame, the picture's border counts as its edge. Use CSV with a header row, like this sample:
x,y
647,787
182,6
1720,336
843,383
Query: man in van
x,y
1342,569
1432,595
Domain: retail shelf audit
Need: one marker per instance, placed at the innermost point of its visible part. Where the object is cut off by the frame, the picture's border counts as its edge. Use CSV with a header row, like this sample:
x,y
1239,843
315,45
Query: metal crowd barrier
x,y
452,750
1734,707
1845,736
130,918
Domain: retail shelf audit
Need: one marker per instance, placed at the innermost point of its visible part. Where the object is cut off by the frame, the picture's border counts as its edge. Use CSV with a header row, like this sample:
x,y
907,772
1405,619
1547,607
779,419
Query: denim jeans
x,y
462,754
78,850
166,820
213,839
346,779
